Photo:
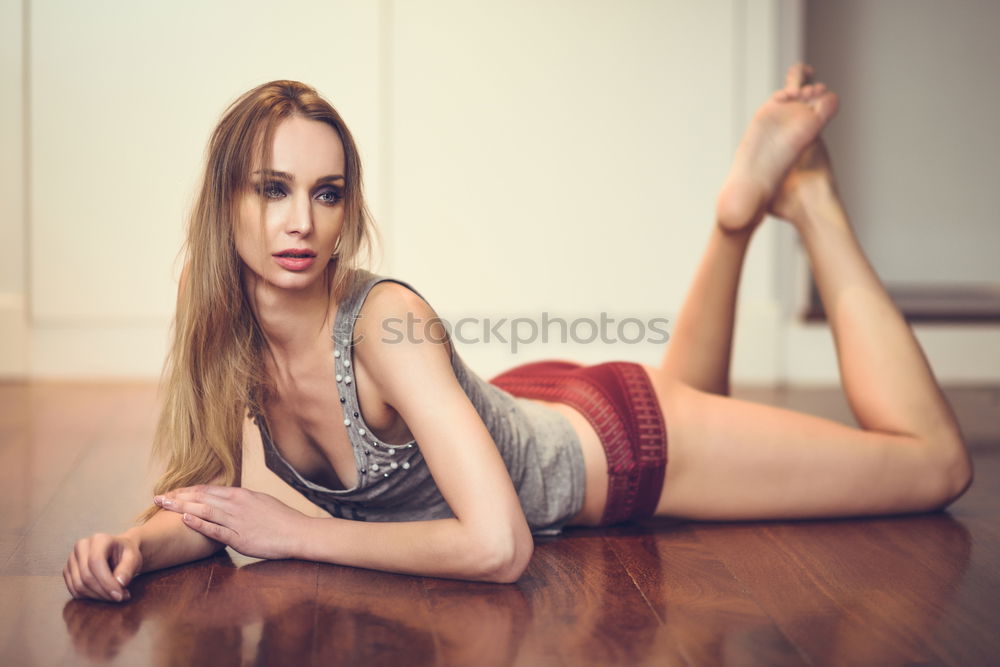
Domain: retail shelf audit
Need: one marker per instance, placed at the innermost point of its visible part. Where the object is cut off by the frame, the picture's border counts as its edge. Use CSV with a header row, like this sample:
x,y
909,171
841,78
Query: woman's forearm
x,y
437,548
165,541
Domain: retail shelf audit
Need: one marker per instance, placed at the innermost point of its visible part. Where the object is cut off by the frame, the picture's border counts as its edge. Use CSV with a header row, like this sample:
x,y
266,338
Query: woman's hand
x,y
101,566
252,523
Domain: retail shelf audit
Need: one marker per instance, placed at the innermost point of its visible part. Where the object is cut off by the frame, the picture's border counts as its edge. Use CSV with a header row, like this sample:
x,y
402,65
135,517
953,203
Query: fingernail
x,y
128,596
166,502
120,580
116,595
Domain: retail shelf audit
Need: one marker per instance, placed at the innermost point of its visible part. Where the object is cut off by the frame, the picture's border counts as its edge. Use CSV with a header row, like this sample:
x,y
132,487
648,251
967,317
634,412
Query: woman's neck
x,y
292,321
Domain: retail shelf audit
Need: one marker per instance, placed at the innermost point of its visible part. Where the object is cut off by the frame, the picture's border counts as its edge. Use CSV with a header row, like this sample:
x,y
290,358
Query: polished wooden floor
x,y
921,589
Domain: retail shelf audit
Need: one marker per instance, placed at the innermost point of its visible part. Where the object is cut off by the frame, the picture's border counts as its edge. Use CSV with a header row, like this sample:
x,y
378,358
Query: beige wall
x,y
123,98
521,157
917,142
563,157
13,288
917,156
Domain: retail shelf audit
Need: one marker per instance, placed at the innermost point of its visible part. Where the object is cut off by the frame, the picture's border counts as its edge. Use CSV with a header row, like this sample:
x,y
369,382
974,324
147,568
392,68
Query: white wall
x,y
558,156
13,304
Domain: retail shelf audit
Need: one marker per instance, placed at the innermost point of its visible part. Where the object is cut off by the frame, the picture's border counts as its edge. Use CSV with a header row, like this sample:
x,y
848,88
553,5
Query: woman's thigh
x,y
731,459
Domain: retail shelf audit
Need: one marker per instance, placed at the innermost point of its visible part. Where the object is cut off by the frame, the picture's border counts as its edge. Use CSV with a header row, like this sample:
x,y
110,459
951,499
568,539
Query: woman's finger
x,y
172,499
127,567
82,580
101,571
200,509
209,529
76,571
68,580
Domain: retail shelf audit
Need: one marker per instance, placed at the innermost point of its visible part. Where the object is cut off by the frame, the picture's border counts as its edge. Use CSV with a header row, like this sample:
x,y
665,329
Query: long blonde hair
x,y
214,372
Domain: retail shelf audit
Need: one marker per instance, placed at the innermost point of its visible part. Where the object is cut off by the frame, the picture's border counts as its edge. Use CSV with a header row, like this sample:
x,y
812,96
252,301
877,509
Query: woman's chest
x,y
307,424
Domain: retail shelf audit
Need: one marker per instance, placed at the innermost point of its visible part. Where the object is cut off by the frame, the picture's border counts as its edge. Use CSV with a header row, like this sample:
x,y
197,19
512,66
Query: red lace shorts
x,y
618,400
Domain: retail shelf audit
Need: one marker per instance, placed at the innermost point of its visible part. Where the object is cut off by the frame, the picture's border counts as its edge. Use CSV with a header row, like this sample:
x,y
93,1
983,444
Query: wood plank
x,y
851,591
479,623
968,628
36,624
365,617
13,411
60,425
585,609
105,490
40,624
707,616
8,543
922,589
254,612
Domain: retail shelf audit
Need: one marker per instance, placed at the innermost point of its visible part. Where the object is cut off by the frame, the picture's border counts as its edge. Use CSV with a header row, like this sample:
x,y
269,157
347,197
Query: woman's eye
x,y
330,196
272,190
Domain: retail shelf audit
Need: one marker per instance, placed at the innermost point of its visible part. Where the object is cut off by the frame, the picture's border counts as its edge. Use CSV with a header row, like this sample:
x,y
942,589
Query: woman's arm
x,y
258,525
102,566
438,548
165,541
488,538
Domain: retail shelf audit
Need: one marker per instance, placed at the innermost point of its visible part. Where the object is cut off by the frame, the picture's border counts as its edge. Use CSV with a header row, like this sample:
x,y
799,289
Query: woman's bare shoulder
x,y
392,312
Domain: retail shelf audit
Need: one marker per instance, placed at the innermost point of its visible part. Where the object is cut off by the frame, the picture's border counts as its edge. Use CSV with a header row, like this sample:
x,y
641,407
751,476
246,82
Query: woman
x,y
273,267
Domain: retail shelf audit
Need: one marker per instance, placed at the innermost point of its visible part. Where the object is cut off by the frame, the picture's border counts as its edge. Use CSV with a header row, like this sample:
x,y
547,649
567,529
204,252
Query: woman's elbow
x,y
949,474
956,477
513,567
503,560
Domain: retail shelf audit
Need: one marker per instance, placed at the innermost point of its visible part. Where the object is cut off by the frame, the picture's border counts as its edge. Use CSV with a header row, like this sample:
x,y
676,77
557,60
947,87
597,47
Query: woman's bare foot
x,y
780,131
809,182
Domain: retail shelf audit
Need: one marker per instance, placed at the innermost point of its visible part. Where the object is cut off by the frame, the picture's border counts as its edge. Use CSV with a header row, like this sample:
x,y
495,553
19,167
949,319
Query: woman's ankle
x,y
819,207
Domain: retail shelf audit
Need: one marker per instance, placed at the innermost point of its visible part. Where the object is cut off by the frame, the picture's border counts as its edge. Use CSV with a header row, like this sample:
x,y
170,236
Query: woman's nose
x,y
299,216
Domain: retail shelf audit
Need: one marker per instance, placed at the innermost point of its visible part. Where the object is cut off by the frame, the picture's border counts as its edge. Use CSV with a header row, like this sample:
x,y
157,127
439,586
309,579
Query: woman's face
x,y
303,195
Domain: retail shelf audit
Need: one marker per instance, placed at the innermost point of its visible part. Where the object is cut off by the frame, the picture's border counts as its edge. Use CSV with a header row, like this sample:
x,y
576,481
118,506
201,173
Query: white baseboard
x,y
957,353
14,336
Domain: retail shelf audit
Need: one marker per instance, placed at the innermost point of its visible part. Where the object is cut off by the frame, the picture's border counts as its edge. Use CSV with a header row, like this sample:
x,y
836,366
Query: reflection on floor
x,y
911,589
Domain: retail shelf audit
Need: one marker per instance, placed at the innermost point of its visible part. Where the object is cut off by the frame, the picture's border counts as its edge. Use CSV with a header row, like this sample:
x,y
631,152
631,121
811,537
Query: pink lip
x,y
302,260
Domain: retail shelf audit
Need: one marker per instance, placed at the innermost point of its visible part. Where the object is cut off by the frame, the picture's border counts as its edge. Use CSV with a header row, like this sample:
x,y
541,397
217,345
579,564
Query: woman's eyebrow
x,y
285,176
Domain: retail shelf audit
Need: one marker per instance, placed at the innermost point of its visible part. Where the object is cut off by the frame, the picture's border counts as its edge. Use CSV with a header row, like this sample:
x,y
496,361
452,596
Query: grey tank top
x,y
538,445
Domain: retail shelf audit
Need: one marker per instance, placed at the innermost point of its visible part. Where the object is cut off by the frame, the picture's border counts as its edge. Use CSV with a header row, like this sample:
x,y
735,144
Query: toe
x,y
795,77
826,105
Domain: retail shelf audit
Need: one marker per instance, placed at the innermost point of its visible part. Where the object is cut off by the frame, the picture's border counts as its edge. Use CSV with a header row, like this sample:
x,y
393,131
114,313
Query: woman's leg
x,y
700,345
733,459
701,342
